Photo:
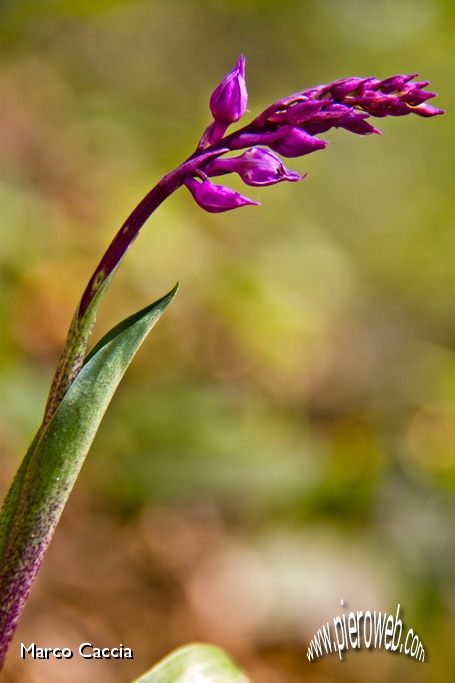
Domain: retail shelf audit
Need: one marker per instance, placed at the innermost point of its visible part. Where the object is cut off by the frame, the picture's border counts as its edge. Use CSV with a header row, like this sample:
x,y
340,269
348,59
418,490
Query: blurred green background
x,y
286,437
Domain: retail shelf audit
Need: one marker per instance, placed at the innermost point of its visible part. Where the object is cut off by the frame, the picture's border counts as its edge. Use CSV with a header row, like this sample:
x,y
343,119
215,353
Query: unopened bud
x,y
215,198
229,100
295,142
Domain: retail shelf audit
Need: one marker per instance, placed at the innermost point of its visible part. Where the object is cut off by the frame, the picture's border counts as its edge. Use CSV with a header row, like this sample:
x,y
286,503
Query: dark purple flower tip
x,y
416,85
295,142
229,100
215,198
354,121
326,119
380,105
332,112
426,110
415,97
395,96
256,166
341,88
395,83
367,84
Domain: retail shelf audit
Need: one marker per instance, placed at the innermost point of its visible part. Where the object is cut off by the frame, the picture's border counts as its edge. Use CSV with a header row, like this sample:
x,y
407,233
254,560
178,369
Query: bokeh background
x,y
285,438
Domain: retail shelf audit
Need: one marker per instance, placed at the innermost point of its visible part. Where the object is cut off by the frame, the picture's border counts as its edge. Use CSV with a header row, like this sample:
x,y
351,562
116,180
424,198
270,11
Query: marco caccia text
x,y
86,650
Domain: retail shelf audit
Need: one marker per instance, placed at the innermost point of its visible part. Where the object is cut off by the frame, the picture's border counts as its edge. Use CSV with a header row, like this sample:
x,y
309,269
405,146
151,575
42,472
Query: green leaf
x,y
43,483
197,663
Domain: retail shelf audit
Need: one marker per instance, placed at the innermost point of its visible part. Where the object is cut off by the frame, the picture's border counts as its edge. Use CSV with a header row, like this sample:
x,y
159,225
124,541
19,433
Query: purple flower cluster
x,y
289,127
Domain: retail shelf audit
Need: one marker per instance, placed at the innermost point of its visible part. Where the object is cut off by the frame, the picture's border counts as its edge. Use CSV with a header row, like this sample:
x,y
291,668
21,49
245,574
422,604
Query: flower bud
x,y
295,142
256,166
414,96
355,122
215,198
229,100
298,112
342,117
396,83
341,88
367,84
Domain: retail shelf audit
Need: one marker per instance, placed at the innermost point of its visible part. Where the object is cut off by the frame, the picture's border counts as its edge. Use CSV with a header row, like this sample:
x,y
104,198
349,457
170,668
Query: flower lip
x,y
255,167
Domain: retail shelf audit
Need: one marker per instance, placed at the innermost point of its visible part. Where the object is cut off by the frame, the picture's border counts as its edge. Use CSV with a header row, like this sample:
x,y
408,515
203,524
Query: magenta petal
x,y
416,97
229,100
299,112
395,83
367,84
256,166
332,112
216,198
355,123
296,142
261,167
426,110
341,88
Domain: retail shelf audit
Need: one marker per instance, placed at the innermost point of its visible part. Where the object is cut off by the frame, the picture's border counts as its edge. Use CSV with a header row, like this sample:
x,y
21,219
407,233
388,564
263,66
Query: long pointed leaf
x,y
39,493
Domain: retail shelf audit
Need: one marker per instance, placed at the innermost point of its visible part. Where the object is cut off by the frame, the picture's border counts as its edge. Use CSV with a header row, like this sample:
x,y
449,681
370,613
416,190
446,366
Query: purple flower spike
x,y
215,198
256,166
295,142
289,127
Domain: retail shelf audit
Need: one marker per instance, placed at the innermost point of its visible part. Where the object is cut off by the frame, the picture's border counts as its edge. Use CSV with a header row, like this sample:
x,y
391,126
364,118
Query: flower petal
x,y
296,142
229,100
215,198
256,166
